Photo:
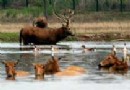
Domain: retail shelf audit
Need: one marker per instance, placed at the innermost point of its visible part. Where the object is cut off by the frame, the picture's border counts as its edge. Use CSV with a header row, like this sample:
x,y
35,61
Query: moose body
x,y
38,36
46,36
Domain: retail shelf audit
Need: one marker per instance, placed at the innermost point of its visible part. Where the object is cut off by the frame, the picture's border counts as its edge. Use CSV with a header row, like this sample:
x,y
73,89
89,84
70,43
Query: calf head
x,y
52,66
10,69
108,61
39,71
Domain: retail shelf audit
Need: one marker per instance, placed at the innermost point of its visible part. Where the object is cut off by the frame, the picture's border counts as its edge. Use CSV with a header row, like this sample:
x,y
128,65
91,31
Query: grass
x,y
23,15
88,24
9,32
27,14
101,27
9,37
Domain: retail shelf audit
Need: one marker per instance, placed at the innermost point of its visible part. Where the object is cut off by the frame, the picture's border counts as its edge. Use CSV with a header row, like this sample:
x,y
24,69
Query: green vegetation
x,y
28,14
14,37
24,14
26,10
86,11
102,17
9,37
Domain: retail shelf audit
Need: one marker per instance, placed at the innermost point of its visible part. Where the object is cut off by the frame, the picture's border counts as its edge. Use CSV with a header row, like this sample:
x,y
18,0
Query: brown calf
x,y
10,69
39,71
11,72
69,71
120,66
109,61
52,66
114,64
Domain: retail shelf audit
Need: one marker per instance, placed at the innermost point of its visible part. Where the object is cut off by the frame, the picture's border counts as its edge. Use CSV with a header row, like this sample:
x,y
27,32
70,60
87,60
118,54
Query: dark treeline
x,y
90,5
80,6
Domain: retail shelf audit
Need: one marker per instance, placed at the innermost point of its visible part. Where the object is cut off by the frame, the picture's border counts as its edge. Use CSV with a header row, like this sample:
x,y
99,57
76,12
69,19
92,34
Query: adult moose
x,y
47,36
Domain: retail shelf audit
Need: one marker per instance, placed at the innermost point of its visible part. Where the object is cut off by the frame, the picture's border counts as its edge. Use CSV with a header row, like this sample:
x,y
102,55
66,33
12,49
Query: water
x,y
92,79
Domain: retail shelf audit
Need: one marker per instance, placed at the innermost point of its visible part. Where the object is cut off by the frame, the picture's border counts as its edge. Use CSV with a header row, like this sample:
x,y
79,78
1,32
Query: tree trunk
x,y
73,4
27,3
45,8
121,5
4,2
97,6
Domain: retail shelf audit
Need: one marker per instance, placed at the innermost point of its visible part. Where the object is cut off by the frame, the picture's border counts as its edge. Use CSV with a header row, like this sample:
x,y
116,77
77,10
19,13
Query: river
x,y
93,79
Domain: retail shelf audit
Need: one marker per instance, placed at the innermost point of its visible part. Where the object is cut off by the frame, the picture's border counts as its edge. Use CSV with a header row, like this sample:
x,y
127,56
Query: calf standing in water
x,y
10,69
52,66
11,72
39,71
114,64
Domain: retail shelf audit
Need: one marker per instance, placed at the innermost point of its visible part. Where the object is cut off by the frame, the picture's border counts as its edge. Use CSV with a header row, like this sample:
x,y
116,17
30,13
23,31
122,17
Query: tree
x,y
45,8
4,2
121,5
73,4
50,1
97,6
26,2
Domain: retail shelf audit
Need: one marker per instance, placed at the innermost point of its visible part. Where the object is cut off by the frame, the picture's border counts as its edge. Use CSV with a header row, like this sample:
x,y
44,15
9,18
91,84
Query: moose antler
x,y
67,15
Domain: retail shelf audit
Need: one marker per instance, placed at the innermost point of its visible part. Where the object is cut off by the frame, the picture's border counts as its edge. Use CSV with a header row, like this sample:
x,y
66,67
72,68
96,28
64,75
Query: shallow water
x,y
92,79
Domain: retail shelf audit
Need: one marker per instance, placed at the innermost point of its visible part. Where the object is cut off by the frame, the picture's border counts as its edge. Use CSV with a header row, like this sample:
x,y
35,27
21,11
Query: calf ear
x,y
43,66
16,62
33,64
3,62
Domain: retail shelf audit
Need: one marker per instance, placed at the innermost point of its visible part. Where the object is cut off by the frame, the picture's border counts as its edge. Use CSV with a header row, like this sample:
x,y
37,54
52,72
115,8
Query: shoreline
x,y
96,31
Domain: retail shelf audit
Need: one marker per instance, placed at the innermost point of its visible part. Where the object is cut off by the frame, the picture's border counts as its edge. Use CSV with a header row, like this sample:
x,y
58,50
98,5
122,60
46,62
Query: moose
x,y
46,36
